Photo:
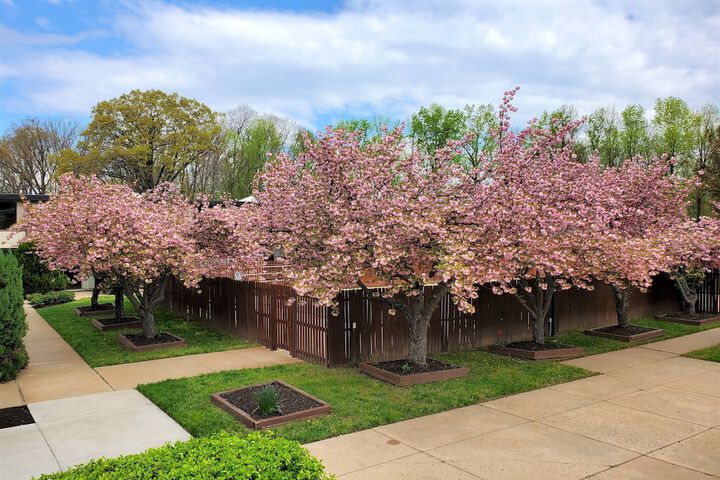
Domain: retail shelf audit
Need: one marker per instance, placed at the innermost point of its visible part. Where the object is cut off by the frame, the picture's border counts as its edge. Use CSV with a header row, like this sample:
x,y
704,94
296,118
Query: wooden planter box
x,y
130,322
654,333
248,421
412,379
536,354
687,321
101,309
123,340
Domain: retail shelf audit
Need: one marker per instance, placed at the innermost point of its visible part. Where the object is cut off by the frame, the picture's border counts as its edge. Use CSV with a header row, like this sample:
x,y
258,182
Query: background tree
x,y
480,123
37,277
673,124
28,154
634,135
432,127
144,138
604,136
706,129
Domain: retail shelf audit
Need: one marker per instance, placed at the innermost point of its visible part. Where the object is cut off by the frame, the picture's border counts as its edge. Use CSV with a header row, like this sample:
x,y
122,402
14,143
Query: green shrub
x,y
257,456
37,277
13,356
49,298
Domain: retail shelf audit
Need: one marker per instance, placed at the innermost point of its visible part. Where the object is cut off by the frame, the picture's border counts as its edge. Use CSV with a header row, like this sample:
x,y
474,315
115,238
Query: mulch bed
x,y
403,373
15,416
139,342
530,350
102,308
113,323
695,319
294,405
631,333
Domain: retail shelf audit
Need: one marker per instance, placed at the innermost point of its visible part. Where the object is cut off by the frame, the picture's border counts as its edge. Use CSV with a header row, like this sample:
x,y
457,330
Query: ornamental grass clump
x,y
268,400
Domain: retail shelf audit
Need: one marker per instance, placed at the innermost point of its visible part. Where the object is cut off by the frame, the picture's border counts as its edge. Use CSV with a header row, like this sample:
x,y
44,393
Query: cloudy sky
x,y
318,61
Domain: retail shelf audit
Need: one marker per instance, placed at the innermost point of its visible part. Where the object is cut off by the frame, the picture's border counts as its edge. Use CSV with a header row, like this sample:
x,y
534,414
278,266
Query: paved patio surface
x,y
74,430
649,415
56,371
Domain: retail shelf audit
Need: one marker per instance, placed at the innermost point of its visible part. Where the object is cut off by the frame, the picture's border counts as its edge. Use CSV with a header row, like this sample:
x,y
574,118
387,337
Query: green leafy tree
x,y
634,135
480,121
603,136
144,138
257,144
432,127
711,179
13,356
369,130
673,126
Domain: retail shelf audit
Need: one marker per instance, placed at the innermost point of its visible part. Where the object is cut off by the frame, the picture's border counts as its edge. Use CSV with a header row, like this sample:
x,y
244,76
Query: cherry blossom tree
x,y
346,215
693,248
135,240
643,202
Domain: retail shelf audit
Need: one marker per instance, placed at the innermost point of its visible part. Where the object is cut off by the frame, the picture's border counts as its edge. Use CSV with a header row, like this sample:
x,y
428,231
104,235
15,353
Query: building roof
x,y
16,197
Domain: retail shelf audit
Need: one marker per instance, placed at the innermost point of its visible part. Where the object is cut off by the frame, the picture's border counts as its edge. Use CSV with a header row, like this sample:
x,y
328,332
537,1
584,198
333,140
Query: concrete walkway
x,y
651,414
75,430
56,371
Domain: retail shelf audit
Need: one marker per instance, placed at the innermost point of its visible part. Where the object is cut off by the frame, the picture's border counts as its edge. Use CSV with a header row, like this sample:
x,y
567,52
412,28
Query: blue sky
x,y
319,61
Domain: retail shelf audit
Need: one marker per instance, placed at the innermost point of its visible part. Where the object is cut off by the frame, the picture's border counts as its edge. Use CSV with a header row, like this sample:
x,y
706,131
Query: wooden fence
x,y
273,315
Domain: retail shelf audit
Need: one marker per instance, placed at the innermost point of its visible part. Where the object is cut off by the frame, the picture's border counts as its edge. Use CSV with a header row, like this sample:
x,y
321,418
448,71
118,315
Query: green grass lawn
x,y
595,345
711,354
358,402
102,348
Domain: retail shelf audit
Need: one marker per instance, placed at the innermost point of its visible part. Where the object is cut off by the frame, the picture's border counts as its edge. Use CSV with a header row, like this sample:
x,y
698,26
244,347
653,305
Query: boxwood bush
x,y
257,456
49,298
37,277
13,356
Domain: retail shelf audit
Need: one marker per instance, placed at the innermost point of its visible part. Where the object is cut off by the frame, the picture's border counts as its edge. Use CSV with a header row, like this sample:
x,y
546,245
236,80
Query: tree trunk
x,y
418,314
622,304
688,294
418,326
95,295
119,302
148,319
537,302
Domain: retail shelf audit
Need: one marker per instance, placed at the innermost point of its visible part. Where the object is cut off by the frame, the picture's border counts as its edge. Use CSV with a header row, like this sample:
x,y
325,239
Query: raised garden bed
x,y
90,311
402,373
137,342
696,319
533,351
112,323
633,333
295,405
15,416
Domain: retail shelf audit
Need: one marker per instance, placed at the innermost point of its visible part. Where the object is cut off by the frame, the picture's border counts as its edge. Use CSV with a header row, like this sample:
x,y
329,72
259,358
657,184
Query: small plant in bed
x,y
269,404
140,342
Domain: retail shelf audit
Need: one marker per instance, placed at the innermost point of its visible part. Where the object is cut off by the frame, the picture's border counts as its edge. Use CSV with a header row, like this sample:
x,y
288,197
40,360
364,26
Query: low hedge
x,y
257,456
49,298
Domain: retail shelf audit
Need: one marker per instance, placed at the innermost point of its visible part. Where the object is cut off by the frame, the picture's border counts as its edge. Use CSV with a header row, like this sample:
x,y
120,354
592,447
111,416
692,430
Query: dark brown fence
x,y
275,316
709,293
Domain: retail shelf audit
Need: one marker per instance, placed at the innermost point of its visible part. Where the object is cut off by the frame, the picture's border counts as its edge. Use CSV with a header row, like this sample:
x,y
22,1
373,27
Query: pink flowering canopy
x,y
343,213
94,228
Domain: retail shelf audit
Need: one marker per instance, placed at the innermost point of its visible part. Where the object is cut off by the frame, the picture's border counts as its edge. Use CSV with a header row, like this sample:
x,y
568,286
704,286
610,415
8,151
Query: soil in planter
x,y
15,416
290,401
115,321
103,307
140,340
536,347
625,332
403,367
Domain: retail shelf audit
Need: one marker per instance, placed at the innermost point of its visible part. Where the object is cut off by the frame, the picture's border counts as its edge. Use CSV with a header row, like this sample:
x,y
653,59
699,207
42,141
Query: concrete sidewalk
x,y
651,414
75,430
56,371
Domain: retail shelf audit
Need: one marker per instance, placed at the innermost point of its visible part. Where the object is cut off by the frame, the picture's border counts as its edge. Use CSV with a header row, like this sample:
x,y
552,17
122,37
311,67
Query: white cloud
x,y
387,57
